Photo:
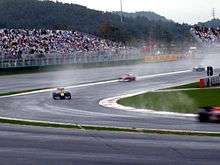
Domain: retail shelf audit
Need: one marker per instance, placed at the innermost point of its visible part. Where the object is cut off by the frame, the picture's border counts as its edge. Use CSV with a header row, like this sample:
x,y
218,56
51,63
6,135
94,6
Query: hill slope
x,y
149,15
215,23
50,15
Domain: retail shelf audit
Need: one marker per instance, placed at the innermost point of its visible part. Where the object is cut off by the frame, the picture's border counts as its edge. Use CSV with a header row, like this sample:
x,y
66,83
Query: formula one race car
x,y
199,69
209,114
61,94
127,78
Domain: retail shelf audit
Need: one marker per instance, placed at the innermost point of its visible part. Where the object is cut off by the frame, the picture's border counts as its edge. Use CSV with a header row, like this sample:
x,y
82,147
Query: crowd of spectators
x,y
23,43
207,35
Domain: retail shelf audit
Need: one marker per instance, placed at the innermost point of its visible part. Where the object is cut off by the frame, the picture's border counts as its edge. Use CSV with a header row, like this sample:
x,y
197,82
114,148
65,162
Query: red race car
x,y
127,78
209,114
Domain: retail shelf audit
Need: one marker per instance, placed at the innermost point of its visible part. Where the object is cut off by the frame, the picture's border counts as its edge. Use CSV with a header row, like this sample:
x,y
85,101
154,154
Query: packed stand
x,y
21,43
206,35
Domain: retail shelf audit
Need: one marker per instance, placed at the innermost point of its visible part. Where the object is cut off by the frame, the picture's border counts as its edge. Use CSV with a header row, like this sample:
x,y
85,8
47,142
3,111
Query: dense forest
x,y
37,14
148,14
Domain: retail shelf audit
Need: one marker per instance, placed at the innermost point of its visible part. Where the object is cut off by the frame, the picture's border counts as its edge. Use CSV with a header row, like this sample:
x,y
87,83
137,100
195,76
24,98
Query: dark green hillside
x,y
55,15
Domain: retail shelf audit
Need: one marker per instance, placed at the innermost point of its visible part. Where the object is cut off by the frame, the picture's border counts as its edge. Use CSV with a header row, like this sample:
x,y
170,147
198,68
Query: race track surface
x,y
84,107
75,76
31,145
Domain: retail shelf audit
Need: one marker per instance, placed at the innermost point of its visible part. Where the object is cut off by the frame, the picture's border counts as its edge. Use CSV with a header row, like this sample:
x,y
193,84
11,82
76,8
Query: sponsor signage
x,y
160,58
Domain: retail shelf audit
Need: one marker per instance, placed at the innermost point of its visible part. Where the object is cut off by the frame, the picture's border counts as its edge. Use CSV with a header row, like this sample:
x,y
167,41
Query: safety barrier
x,y
209,81
120,57
73,58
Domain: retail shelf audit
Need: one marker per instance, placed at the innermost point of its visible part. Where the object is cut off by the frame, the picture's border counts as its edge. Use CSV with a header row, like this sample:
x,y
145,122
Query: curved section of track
x,y
84,107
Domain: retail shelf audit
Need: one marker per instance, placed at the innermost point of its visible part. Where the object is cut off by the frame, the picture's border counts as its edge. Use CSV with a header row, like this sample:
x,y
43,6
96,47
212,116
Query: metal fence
x,y
73,58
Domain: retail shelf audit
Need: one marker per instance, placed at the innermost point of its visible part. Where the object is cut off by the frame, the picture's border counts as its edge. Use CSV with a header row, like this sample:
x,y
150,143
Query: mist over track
x,y
84,107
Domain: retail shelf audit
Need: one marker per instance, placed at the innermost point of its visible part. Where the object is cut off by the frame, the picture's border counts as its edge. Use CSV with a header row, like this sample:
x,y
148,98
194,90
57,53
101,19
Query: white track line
x,y
67,87
92,84
112,102
164,74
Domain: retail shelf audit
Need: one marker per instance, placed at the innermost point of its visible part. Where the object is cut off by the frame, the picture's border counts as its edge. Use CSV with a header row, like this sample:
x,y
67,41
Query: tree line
x,y
35,14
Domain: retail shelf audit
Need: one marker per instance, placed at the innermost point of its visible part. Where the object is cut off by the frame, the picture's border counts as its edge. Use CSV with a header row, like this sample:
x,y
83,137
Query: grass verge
x,y
38,89
22,91
175,101
111,129
186,86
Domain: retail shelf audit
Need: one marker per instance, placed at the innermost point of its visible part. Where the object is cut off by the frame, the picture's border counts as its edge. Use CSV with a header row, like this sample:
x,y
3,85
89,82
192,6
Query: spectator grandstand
x,y
23,43
206,35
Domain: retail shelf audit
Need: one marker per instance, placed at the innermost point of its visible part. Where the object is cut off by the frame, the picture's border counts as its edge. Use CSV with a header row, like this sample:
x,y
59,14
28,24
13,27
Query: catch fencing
x,y
73,58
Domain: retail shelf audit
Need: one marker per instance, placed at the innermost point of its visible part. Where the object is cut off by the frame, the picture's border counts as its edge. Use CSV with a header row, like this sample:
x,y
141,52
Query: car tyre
x,y
68,96
203,118
54,96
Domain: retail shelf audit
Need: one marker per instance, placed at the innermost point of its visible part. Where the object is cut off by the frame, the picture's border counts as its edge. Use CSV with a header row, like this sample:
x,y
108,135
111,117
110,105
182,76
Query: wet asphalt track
x,y
32,145
84,107
75,76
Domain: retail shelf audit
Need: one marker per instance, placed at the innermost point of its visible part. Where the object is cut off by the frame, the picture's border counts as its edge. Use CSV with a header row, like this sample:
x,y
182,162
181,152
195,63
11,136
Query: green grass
x,y
37,89
22,91
175,101
110,129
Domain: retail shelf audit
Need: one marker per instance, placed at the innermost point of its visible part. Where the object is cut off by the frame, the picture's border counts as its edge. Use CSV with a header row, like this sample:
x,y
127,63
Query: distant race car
x,y
61,94
199,69
209,114
127,78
